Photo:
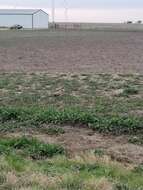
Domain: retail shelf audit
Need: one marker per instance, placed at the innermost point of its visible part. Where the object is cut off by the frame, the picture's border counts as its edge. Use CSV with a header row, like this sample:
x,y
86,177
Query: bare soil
x,y
71,51
78,139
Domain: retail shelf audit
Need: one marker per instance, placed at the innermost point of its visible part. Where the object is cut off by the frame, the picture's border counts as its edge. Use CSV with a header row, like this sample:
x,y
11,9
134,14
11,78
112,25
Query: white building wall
x,y
40,20
10,20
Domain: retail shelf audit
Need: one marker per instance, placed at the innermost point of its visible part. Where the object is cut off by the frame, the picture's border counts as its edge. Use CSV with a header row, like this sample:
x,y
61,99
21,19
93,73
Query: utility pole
x,y
53,13
15,4
66,10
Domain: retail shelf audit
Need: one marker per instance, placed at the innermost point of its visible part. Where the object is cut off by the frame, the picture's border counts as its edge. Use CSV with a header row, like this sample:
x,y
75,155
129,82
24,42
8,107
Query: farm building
x,y
28,18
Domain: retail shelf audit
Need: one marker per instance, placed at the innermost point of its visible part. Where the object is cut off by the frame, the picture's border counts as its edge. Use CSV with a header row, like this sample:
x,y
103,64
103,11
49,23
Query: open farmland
x,y
71,51
71,131
71,112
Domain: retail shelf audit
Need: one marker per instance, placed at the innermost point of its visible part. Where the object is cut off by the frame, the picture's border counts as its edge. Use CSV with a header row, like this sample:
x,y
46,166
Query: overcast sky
x,y
85,10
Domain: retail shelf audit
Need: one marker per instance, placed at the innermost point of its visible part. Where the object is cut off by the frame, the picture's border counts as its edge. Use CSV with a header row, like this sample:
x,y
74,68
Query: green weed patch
x,y
30,147
36,116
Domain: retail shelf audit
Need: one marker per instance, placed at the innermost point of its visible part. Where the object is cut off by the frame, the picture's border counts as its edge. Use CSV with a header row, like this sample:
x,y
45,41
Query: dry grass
x,y
84,171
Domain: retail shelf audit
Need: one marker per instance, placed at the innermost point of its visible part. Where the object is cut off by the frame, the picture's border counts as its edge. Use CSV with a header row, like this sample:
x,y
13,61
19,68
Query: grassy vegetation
x,y
35,117
85,171
30,147
92,91
40,102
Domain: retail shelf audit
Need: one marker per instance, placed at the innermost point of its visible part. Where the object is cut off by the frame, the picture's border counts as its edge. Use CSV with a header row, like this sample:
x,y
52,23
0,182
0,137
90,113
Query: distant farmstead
x,y
27,18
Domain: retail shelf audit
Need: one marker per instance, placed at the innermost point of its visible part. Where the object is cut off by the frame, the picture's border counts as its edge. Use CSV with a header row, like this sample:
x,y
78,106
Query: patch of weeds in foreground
x,y
30,147
77,173
84,172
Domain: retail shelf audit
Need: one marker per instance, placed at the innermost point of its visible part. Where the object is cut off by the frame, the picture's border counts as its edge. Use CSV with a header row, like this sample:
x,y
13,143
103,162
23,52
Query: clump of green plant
x,y
139,169
53,130
122,187
99,152
15,114
30,147
136,140
130,90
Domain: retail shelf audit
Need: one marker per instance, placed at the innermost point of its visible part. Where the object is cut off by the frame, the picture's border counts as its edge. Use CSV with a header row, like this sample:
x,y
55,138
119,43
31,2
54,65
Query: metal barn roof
x,y
19,11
